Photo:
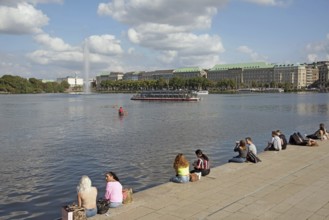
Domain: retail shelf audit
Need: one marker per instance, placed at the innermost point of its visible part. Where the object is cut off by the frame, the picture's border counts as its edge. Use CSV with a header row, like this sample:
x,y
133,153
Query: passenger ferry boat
x,y
201,92
166,95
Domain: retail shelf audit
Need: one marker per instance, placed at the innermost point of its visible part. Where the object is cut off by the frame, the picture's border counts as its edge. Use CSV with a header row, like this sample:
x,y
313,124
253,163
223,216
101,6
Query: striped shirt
x,y
202,164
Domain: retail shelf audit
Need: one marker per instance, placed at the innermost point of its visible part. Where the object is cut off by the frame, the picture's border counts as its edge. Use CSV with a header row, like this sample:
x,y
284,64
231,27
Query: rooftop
x,y
241,66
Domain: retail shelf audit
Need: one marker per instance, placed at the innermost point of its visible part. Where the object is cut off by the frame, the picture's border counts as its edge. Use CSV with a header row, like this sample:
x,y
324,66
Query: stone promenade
x,y
290,184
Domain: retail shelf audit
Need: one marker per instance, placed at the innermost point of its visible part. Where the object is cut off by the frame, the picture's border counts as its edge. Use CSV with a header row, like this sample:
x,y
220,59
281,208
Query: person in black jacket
x,y
283,138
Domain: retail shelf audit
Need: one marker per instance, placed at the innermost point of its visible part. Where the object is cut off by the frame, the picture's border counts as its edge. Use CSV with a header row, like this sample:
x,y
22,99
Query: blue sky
x,y
47,38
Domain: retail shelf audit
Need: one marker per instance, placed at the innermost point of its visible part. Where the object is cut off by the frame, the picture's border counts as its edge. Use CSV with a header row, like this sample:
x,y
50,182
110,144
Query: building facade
x,y
132,75
190,72
157,74
72,81
323,67
260,73
291,73
312,74
114,76
243,73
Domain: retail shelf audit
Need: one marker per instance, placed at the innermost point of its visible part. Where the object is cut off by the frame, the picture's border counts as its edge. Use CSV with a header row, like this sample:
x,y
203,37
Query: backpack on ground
x,y
296,139
251,157
102,206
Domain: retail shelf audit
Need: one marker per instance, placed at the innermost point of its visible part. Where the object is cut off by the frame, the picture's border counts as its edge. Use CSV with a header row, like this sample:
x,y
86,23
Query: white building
x,y
72,81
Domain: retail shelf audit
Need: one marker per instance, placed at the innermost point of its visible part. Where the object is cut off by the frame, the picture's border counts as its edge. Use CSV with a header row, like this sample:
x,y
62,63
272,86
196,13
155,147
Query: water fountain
x,y
86,87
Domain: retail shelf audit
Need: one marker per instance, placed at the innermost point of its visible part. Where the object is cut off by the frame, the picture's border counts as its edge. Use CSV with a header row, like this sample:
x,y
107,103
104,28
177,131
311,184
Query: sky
x,y
49,39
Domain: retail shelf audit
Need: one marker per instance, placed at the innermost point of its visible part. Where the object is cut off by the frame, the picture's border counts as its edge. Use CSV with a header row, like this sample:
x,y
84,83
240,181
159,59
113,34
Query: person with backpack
x,y
251,145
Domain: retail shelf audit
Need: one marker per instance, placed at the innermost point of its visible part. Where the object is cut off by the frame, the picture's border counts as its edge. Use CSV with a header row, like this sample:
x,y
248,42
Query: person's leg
x,y
237,160
185,179
91,212
115,204
180,179
205,172
271,148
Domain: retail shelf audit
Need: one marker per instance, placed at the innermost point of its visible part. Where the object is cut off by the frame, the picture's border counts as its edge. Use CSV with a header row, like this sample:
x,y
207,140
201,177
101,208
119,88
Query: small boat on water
x,y
264,90
273,90
248,90
166,95
201,92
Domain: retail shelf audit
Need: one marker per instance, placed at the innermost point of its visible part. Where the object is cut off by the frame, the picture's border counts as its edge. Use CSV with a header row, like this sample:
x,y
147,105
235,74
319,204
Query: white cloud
x,y
253,55
47,56
194,14
167,56
131,50
52,43
169,27
133,36
318,50
245,49
203,61
104,44
103,53
312,58
22,19
271,2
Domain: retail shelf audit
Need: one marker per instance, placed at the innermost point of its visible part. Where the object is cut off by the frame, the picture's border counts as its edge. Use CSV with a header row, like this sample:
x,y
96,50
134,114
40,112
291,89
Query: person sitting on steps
x,y
275,143
251,145
321,133
202,164
242,148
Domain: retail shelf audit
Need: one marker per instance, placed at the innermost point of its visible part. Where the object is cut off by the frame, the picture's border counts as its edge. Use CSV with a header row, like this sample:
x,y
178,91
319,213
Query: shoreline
x,y
285,185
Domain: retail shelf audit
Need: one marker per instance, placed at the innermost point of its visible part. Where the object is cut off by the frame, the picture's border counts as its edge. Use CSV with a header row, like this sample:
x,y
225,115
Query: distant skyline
x,y
45,38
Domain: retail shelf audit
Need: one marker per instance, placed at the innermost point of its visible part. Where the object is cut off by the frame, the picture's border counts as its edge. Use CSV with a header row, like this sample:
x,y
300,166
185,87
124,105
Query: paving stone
x,y
290,184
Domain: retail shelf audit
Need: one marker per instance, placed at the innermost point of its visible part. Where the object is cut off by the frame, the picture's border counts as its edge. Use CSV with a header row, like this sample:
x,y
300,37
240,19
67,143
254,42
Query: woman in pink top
x,y
113,192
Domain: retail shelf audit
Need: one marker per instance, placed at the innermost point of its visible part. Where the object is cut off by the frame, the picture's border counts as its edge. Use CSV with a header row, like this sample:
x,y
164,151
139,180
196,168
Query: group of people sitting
x,y
182,167
243,147
278,142
87,194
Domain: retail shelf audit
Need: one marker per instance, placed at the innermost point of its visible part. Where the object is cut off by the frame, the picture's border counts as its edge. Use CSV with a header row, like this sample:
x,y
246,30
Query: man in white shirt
x,y
251,145
275,144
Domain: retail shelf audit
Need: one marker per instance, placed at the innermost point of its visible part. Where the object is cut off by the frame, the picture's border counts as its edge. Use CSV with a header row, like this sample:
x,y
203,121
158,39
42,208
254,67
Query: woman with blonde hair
x,y
182,167
87,196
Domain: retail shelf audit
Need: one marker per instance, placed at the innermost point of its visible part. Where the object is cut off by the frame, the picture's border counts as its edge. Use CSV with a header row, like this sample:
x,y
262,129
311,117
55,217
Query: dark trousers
x,y
203,172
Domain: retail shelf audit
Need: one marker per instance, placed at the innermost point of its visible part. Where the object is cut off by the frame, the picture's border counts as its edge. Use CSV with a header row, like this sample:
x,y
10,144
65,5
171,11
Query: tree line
x,y
197,83
18,85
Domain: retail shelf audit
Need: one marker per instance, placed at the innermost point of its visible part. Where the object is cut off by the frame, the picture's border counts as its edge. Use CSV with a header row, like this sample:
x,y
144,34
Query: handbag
x,y
102,206
194,177
251,157
127,194
73,212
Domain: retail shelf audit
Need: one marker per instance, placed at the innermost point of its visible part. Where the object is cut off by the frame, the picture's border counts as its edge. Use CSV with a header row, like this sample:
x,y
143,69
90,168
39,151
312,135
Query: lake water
x,y
49,141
